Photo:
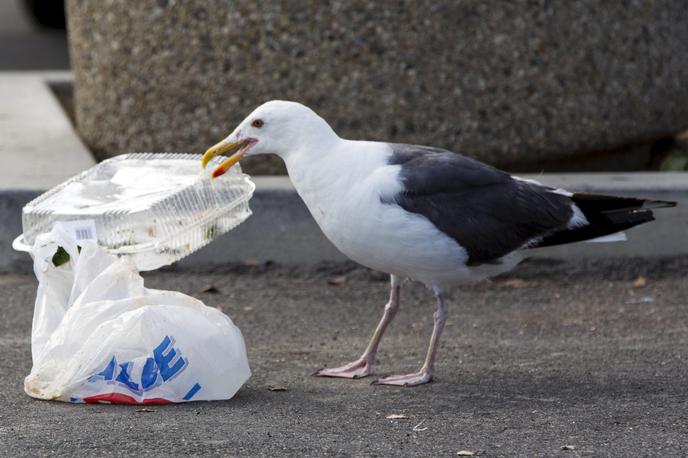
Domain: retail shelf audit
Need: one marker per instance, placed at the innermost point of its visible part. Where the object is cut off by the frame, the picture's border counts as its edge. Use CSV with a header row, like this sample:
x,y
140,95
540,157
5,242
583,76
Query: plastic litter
x,y
100,336
153,208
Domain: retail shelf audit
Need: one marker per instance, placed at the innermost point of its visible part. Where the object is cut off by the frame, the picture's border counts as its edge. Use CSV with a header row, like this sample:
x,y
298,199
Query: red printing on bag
x,y
119,398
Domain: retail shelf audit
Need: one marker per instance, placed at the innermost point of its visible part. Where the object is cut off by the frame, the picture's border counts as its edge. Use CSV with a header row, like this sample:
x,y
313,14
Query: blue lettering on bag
x,y
106,374
194,389
166,363
163,360
149,375
124,377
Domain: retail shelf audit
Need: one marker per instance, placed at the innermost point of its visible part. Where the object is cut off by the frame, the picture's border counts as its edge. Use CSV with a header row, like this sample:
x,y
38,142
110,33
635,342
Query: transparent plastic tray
x,y
153,208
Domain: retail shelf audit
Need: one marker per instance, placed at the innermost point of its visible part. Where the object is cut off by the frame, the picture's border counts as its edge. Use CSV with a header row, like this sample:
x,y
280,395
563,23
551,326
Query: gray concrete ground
x,y
38,143
27,46
556,354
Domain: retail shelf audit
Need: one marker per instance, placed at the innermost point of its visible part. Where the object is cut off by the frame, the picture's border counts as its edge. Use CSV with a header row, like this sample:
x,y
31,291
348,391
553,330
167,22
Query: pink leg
x,y
424,375
362,366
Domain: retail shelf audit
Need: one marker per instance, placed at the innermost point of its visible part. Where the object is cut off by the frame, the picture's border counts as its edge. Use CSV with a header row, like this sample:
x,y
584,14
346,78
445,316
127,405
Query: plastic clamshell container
x,y
154,208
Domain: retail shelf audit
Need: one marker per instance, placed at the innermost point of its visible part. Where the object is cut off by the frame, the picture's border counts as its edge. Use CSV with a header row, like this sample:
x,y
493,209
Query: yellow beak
x,y
221,148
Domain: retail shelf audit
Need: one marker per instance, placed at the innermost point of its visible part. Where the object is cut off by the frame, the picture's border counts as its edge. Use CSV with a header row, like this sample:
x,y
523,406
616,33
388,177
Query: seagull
x,y
419,212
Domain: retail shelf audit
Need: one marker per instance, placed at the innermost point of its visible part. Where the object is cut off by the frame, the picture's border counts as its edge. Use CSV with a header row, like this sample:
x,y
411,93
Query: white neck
x,y
310,166
330,174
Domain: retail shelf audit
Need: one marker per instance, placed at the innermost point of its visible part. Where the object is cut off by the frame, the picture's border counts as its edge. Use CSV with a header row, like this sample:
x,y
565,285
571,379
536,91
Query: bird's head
x,y
276,127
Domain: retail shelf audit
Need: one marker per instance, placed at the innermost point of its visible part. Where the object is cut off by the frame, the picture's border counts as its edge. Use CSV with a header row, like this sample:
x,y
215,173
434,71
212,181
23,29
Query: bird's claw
x,y
407,380
355,370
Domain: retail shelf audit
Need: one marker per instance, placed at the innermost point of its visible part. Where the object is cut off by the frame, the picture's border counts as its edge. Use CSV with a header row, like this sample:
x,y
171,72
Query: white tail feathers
x,y
616,237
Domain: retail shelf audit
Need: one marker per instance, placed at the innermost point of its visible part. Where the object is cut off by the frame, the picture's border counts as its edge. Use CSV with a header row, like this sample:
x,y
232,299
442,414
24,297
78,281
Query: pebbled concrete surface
x,y
506,82
554,354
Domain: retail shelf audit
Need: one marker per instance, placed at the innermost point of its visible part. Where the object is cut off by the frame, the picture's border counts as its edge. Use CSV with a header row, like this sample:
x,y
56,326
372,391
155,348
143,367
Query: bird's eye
x,y
257,123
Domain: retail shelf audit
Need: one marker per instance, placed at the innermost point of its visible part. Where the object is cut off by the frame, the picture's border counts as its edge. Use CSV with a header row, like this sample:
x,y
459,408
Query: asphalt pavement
x,y
556,359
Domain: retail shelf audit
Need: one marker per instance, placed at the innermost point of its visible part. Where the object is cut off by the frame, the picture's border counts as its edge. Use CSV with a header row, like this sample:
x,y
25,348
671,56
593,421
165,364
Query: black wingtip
x,y
659,204
606,215
609,203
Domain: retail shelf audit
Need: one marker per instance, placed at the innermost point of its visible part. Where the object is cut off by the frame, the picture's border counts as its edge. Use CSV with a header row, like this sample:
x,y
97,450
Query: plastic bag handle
x,y
19,245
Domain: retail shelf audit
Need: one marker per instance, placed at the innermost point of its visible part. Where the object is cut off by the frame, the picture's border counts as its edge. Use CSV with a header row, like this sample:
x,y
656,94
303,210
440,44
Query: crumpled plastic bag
x,y
100,336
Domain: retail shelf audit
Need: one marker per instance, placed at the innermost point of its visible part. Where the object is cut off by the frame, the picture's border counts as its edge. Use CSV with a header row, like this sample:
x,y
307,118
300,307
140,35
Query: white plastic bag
x,y
99,336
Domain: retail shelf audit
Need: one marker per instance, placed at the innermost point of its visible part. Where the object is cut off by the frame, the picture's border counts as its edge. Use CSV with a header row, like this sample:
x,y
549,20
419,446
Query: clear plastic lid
x,y
154,208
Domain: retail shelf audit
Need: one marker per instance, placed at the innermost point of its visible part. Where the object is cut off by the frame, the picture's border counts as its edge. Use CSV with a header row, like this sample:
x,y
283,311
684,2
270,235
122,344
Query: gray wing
x,y
484,209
